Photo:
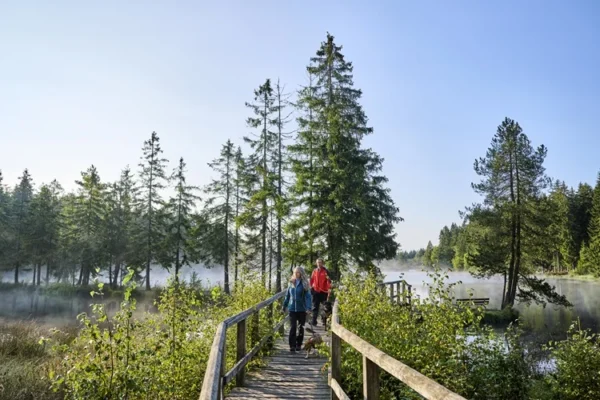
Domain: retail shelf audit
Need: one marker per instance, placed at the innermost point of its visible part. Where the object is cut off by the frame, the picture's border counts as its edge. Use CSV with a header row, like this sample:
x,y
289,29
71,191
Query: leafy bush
x,y
442,341
162,355
577,359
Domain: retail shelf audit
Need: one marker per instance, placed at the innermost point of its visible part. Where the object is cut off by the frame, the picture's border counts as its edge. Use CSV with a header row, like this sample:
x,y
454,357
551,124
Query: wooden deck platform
x,y
288,375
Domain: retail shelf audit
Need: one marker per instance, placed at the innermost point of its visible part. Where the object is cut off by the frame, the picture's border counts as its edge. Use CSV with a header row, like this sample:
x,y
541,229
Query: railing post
x,y
336,361
409,295
270,340
398,298
241,351
391,285
223,369
282,328
403,292
370,380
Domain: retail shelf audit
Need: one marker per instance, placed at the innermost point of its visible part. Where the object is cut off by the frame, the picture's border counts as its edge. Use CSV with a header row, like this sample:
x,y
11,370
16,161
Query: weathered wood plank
x,y
370,380
287,375
211,386
246,313
421,384
338,391
239,366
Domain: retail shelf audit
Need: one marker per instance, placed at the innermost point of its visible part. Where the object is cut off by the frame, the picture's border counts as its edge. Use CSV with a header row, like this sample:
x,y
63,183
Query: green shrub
x,y
160,356
577,374
442,341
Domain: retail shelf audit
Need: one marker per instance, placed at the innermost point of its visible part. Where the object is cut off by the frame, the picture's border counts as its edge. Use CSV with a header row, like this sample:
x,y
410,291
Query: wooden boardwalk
x,y
288,375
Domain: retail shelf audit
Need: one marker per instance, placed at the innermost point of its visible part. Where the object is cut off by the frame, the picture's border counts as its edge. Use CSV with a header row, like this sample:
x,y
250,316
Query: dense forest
x,y
526,224
284,200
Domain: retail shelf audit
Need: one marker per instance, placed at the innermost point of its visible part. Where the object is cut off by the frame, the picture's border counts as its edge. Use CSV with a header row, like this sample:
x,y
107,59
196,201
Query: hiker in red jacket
x,y
320,285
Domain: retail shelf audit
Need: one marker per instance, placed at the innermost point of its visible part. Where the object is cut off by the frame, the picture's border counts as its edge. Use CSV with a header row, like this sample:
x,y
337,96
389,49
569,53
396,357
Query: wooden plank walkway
x,y
288,375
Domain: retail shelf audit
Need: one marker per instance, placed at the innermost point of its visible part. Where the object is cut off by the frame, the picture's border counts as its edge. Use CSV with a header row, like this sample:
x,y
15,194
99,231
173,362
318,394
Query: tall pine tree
x,y
590,253
513,177
354,214
152,180
219,211
179,248
279,167
19,222
256,213
88,223
44,229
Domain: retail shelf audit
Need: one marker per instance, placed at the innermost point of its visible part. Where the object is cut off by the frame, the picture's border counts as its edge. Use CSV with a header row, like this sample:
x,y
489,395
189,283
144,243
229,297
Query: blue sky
x,y
84,83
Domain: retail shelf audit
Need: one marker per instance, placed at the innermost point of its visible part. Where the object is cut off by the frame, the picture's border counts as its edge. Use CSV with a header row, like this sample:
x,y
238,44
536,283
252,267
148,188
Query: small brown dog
x,y
312,343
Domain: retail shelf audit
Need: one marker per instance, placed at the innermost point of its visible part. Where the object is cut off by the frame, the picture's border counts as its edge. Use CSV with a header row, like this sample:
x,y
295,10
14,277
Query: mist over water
x,y
158,275
55,310
550,322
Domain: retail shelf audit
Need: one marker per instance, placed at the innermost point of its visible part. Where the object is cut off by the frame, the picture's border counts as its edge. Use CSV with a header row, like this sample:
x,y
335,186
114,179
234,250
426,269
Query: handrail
x,y
216,376
403,293
374,360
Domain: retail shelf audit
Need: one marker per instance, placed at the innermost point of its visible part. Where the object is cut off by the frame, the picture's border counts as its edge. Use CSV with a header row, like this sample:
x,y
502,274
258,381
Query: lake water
x,y
547,323
550,322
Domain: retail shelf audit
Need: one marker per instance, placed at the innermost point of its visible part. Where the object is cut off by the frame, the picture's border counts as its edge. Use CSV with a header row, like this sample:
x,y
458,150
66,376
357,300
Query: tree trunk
x,y
518,236
117,270
47,273
265,214
110,275
227,211
150,218
509,301
39,273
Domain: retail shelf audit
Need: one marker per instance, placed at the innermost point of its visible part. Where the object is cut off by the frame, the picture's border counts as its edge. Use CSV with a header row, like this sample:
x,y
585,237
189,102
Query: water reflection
x,y
550,321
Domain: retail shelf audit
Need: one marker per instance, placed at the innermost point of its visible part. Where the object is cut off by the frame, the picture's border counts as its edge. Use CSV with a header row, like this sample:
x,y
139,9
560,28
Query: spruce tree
x,y
88,223
44,228
4,224
582,212
152,180
219,211
590,253
179,248
242,182
354,214
301,248
256,213
19,222
119,227
279,167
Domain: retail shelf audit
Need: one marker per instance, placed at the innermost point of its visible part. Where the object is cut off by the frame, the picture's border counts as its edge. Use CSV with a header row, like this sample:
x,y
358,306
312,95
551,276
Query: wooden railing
x,y
217,376
374,360
402,293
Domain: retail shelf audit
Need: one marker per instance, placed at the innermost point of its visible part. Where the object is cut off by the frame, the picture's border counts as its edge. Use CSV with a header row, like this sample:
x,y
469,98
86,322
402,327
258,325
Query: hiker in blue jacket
x,y
298,302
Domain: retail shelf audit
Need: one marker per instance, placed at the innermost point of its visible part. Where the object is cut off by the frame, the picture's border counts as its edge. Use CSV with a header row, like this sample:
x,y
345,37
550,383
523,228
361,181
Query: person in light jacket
x,y
297,301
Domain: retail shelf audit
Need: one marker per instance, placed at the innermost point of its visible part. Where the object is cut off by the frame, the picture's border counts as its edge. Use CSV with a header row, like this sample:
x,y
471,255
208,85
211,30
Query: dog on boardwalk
x,y
326,313
311,344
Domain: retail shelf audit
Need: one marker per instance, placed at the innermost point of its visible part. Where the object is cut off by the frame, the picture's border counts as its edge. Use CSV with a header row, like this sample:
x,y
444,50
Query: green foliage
x,y
577,359
161,355
590,253
220,209
178,247
444,342
152,179
345,212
